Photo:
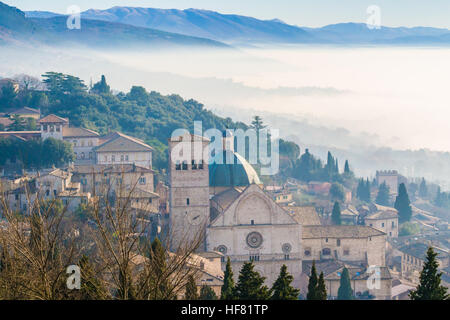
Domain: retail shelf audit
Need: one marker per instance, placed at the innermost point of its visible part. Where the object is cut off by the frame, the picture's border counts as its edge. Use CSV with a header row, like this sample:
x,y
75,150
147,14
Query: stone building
x,y
392,179
386,221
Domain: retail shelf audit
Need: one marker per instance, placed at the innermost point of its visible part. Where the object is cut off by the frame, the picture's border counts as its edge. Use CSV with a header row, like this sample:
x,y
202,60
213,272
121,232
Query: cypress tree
x,y
312,285
228,283
206,293
191,289
346,167
336,214
430,287
321,288
367,191
91,286
250,284
282,289
423,189
402,204
383,195
345,291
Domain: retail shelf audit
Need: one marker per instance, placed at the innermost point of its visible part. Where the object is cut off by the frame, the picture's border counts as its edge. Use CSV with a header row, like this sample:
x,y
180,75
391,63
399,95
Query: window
x,y
126,157
82,155
194,165
346,252
286,257
122,158
200,164
326,239
254,258
178,165
16,197
113,158
371,225
45,127
54,193
393,224
185,165
390,234
338,242
47,192
142,180
382,225
52,128
252,222
150,200
58,129
187,201
307,252
326,251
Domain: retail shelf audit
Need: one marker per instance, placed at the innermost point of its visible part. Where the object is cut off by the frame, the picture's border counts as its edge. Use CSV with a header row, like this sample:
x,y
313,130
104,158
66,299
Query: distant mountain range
x,y
237,29
15,27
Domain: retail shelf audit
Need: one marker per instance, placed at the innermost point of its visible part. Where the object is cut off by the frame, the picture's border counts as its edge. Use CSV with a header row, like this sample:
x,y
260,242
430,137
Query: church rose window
x,y
222,249
254,239
286,248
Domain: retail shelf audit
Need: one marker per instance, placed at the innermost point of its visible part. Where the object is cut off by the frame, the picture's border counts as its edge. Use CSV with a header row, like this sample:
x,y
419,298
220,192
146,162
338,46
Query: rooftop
x,y
306,216
313,232
119,142
26,110
79,133
51,118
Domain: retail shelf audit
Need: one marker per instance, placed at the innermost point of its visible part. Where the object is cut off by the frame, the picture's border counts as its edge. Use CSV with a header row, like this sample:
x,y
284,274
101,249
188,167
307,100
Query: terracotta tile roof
x,y
26,110
381,215
120,142
105,168
314,232
78,133
304,215
53,119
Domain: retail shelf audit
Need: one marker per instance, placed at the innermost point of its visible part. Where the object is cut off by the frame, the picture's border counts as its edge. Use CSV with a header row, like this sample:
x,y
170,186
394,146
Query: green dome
x,y
237,173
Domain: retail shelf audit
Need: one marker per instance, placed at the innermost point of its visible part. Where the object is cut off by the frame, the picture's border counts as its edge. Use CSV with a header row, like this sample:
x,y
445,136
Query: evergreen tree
x,y
367,191
423,189
430,287
345,291
321,288
228,283
336,214
250,284
191,289
101,86
402,204
383,195
346,167
282,289
312,285
206,293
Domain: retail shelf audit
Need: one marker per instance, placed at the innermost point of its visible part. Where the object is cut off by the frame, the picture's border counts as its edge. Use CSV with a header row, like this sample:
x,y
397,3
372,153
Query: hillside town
x,y
237,215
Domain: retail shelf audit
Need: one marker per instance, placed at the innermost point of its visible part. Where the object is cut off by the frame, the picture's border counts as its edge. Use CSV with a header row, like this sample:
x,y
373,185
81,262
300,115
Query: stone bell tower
x,y
189,189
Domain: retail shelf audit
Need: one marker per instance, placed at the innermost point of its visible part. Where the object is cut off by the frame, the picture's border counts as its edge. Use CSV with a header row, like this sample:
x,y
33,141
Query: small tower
x,y
189,189
52,126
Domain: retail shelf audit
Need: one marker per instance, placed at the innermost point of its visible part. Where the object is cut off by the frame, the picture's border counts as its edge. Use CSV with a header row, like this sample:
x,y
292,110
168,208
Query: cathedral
x,y
224,201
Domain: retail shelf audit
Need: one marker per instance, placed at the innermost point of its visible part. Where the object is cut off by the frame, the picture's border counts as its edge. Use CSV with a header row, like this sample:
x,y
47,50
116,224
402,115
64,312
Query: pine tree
x,y
423,189
367,191
282,289
206,293
312,285
228,283
336,214
383,195
430,287
402,204
345,291
191,289
250,284
321,288
91,286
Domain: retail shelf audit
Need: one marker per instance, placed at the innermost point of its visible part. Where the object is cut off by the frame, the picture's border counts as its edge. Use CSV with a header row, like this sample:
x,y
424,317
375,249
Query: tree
x,y
321,288
402,204
312,284
430,287
282,289
423,189
228,283
383,195
191,289
250,284
257,125
336,214
345,291
101,87
337,191
206,293
363,190
92,287
346,167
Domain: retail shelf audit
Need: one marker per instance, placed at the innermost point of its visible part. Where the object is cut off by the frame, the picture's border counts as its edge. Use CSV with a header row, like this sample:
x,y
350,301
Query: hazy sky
x,y
434,13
